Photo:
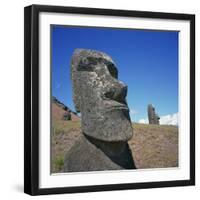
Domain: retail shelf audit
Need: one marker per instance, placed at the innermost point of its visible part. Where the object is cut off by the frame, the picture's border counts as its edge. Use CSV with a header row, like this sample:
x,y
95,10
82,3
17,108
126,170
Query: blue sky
x,y
147,62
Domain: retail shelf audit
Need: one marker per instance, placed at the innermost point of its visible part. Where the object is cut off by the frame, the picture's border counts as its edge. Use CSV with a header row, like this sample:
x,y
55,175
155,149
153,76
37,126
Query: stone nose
x,y
118,92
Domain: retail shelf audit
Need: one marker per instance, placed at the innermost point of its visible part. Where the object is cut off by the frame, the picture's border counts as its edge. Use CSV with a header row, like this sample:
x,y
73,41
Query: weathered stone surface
x,y
89,154
100,96
152,115
105,120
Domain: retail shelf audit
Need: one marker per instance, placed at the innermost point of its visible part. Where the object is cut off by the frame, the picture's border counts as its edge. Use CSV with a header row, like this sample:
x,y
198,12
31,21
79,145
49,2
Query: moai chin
x,y
152,115
105,122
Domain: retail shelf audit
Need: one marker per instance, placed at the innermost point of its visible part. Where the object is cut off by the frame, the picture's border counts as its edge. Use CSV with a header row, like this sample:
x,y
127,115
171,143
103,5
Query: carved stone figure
x,y
105,120
67,116
152,115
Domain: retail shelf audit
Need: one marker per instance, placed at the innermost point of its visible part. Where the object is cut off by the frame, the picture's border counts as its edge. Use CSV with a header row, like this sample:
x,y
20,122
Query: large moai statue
x,y
152,115
105,122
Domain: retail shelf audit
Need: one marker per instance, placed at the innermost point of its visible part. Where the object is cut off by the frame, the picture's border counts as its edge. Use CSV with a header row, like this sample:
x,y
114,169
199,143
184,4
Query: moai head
x,y
100,96
152,115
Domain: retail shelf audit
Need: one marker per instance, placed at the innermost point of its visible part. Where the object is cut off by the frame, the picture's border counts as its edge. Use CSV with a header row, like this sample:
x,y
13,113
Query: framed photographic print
x,y
109,99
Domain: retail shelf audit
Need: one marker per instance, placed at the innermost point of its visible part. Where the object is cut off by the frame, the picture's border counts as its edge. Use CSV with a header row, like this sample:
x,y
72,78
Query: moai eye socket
x,y
112,69
85,61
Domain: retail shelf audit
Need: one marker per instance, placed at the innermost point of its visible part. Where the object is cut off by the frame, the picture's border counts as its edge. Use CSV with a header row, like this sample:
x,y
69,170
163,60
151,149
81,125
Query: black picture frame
x,y
31,98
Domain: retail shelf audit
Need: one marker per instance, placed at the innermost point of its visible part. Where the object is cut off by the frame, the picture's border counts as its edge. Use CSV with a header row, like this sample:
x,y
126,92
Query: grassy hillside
x,y
152,146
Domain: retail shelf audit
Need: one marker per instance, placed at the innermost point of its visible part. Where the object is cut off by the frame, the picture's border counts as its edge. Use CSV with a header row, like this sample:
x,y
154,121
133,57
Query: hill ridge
x,y
59,109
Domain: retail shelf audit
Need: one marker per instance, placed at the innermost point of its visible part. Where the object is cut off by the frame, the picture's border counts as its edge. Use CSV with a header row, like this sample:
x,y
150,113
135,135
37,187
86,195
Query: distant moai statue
x,y
105,122
67,116
152,115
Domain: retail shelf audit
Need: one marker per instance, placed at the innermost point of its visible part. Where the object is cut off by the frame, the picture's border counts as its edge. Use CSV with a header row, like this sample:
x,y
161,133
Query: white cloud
x,y
143,121
171,119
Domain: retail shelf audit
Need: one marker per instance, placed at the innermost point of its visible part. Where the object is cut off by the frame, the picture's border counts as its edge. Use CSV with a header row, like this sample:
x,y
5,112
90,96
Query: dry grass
x,y
64,134
154,146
